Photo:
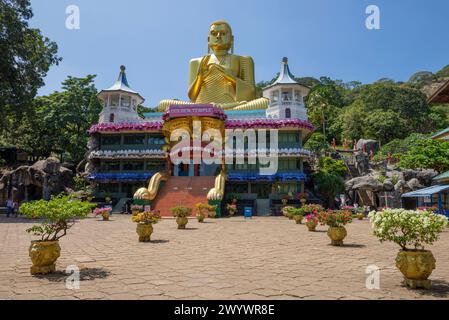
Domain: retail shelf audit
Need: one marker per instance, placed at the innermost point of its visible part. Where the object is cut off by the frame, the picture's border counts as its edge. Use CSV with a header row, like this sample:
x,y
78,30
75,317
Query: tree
x,y
58,123
317,143
331,166
26,56
323,105
328,186
422,78
427,154
443,73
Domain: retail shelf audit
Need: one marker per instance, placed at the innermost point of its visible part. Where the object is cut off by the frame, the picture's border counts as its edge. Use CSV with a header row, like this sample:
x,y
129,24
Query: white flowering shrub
x,y
408,228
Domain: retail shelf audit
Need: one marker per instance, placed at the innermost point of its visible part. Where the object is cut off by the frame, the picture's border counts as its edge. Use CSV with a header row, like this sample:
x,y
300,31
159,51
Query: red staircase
x,y
183,191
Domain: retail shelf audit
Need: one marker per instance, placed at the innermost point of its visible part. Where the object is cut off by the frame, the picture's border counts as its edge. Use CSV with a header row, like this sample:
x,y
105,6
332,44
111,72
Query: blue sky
x,y
155,39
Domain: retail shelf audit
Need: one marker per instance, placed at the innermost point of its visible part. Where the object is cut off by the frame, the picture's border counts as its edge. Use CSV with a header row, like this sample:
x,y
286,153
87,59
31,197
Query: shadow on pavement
x,y
86,274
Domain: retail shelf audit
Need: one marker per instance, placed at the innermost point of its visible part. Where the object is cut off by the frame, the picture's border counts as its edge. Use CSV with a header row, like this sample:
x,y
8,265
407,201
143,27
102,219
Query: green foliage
x,y
181,212
58,215
408,228
58,122
26,57
331,166
427,154
443,73
328,186
317,143
397,147
422,78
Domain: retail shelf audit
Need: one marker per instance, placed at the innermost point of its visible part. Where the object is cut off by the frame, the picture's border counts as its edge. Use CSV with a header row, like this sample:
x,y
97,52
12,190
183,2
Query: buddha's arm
x,y
196,76
246,86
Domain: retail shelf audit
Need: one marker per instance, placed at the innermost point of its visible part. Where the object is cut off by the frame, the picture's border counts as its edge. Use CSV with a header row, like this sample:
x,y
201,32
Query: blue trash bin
x,y
248,213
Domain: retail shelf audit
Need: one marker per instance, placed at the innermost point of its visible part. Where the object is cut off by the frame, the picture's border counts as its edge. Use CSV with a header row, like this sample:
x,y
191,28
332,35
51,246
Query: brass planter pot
x,y
298,219
337,235
105,216
360,216
144,231
43,255
311,227
201,218
416,266
182,222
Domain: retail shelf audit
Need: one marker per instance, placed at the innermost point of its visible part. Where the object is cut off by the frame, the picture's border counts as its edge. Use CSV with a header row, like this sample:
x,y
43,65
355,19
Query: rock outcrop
x,y
40,180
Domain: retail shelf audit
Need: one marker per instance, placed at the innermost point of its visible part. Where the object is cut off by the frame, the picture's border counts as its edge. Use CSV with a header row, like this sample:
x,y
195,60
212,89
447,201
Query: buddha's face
x,y
220,37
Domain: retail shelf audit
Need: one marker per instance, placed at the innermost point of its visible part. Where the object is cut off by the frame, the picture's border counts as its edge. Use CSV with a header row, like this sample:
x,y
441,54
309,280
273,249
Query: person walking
x,y
15,208
9,207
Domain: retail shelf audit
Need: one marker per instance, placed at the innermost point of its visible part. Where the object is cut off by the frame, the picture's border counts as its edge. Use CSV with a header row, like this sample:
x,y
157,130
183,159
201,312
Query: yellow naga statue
x,y
221,77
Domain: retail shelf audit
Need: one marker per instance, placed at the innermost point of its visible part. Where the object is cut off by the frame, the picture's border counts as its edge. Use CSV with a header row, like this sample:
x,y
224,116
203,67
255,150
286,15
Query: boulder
x,y
425,176
365,182
388,185
45,175
370,145
414,184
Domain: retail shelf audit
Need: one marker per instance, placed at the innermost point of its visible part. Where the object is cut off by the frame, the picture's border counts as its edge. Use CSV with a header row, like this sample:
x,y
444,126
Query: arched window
x,y
111,118
288,113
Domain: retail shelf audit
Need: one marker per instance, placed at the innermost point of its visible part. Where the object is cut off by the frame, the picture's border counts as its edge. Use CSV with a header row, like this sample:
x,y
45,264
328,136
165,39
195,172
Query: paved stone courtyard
x,y
266,258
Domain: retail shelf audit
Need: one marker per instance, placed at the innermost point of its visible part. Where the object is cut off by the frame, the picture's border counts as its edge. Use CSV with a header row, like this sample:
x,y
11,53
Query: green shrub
x,y
58,215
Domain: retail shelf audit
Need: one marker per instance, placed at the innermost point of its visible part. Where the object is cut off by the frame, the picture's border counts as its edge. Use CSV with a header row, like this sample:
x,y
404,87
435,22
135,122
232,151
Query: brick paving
x,y
266,258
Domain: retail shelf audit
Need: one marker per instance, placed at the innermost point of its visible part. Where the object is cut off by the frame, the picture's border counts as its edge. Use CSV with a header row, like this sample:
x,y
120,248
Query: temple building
x,y
133,158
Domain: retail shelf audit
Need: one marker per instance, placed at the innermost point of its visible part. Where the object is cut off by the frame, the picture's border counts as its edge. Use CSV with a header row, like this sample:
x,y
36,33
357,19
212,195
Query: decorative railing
x,y
282,176
128,154
129,126
120,177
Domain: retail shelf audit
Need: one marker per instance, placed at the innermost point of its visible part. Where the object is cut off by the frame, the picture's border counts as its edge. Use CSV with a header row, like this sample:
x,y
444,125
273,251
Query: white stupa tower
x,y
120,102
286,96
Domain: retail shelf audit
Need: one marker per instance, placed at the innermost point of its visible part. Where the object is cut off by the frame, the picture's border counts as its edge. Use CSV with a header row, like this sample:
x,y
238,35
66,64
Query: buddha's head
x,y
220,36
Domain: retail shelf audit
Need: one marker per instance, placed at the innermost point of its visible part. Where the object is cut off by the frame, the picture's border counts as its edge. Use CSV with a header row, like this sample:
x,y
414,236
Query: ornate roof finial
x,y
122,76
285,76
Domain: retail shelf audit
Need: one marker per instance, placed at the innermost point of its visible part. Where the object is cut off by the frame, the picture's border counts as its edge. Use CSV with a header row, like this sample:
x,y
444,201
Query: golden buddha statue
x,y
221,78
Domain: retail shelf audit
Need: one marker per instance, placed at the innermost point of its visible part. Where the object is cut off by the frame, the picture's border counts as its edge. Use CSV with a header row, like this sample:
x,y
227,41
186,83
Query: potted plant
x,y
204,210
285,199
135,209
181,213
311,222
232,209
411,230
145,221
298,215
336,220
58,215
104,212
288,212
303,196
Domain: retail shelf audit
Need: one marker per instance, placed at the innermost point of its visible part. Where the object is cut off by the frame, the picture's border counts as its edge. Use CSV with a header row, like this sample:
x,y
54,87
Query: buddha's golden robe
x,y
226,81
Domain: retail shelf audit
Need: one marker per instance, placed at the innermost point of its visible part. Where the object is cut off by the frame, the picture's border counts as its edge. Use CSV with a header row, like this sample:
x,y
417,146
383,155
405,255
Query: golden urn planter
x,y
144,230
43,255
200,217
416,266
298,218
105,216
311,226
182,222
337,235
360,216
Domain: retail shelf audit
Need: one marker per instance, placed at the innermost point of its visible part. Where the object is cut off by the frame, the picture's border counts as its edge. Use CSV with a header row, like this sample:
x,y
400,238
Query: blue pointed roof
x,y
285,76
122,84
